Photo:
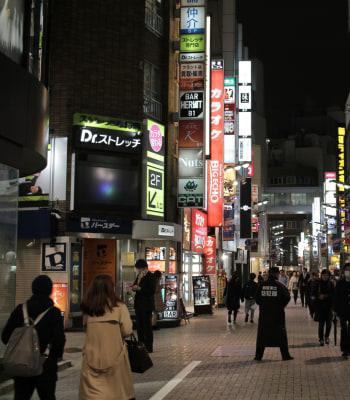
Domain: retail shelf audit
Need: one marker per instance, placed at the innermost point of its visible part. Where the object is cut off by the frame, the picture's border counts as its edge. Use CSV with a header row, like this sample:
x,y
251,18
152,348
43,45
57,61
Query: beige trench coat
x,y
105,371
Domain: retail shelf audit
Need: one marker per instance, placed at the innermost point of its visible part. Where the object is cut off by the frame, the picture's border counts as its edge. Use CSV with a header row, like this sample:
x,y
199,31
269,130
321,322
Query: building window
x,y
153,20
152,91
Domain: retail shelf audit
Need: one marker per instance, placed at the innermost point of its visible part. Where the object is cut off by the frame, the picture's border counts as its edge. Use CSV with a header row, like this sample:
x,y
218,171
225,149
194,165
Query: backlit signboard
x,y
244,149
191,163
190,43
244,97
192,57
245,123
192,20
210,256
245,72
155,145
190,133
341,171
191,76
199,230
229,94
193,2
215,164
229,149
191,104
191,192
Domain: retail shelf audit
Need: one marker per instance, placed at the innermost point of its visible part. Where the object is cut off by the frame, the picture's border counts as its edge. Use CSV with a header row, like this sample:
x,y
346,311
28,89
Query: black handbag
x,y
139,358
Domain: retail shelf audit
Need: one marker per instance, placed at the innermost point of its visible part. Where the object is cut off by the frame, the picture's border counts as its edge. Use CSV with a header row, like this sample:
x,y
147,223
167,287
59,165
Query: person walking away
x,y
311,293
272,297
233,292
248,294
260,277
105,371
50,331
323,306
284,278
342,308
302,283
293,286
144,288
158,299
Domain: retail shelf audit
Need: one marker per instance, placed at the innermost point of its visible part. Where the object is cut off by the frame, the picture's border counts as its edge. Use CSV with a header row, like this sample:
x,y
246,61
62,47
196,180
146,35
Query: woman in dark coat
x,y
233,292
323,306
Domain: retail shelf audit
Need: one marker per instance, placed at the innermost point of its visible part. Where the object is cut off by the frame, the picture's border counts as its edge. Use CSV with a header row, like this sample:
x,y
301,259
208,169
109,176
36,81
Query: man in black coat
x,y
341,307
50,331
272,297
302,285
144,288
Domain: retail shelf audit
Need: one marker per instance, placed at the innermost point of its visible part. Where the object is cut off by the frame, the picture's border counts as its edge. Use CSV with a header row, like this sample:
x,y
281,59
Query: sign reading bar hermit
x,y
191,104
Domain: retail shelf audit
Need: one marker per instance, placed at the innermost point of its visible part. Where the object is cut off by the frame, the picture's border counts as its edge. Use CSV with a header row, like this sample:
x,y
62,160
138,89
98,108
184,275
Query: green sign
x,y
230,81
155,190
97,121
192,43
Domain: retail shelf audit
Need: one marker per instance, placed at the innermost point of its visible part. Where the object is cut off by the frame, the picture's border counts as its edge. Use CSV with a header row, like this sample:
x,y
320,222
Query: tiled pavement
x,y
316,373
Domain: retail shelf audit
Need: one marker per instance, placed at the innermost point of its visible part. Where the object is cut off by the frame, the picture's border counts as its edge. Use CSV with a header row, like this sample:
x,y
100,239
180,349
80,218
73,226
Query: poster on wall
x,y
75,278
54,257
156,266
59,295
99,258
171,296
202,294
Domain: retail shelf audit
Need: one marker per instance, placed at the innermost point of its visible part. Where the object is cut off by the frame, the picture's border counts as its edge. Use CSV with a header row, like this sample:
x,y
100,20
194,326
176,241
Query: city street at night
x,y
210,359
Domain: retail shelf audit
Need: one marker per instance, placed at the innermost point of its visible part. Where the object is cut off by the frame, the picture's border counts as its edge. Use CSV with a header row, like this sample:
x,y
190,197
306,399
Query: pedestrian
x,y
311,293
158,299
50,331
284,278
272,297
302,283
248,294
260,277
293,286
105,372
323,306
144,288
342,308
233,292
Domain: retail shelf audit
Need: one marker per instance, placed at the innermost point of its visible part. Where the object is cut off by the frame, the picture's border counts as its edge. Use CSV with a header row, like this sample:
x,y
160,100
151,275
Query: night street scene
x,y
174,200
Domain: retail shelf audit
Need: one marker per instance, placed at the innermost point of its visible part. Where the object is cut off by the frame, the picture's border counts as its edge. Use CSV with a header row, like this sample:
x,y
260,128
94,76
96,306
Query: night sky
x,y
305,50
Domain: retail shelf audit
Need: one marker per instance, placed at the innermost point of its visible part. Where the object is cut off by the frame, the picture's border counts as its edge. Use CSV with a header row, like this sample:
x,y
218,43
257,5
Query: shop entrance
x,y
191,266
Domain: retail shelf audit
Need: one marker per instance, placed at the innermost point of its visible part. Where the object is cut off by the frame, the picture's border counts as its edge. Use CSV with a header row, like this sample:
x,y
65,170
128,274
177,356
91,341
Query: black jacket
x,y
272,297
302,282
233,292
50,329
341,303
144,298
323,308
249,290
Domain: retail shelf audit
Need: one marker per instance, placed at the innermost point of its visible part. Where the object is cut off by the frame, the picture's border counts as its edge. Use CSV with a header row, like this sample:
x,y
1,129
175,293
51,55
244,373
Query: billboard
x,y
215,164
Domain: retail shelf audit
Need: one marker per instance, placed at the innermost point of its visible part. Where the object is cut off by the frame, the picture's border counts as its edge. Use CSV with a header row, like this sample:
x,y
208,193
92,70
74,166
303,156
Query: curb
x,y
7,386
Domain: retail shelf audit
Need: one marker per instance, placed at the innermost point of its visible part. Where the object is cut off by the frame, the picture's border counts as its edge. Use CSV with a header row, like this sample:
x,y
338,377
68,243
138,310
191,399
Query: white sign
x,y
244,123
229,149
192,20
192,57
245,72
166,230
244,150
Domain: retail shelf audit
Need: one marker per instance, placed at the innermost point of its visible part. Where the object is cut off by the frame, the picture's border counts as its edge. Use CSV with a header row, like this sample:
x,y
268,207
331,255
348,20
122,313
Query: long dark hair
x,y
100,296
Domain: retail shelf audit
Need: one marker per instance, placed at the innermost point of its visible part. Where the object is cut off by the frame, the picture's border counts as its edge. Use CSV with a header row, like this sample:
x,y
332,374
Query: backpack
x,y
22,356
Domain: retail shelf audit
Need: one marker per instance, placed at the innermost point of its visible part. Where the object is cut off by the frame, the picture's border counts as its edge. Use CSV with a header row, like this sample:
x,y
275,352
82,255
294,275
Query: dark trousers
x,y
321,325
345,336
144,328
295,294
234,313
24,388
303,297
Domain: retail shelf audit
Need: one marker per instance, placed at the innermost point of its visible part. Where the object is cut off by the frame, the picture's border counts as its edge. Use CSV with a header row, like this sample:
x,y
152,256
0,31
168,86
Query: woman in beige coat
x,y
105,372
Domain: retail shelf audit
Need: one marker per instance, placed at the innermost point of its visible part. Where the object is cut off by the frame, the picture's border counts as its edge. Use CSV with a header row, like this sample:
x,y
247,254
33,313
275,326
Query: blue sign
x,y
75,277
99,224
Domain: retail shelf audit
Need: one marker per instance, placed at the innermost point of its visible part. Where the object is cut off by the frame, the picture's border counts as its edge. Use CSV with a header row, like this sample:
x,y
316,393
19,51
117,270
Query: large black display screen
x,y
108,183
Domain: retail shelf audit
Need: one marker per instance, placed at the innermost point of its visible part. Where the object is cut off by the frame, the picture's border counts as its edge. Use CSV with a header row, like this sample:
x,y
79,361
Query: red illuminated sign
x,y
215,165
210,256
199,230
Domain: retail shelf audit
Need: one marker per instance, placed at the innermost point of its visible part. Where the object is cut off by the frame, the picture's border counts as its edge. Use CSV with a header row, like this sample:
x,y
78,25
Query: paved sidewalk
x,y
225,367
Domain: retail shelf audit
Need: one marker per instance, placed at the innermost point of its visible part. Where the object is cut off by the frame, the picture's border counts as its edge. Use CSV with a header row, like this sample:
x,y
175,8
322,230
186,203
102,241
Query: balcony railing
x,y
154,22
152,108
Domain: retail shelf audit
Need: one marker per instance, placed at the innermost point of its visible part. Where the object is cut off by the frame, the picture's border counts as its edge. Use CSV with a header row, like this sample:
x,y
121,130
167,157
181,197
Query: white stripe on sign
x,y
175,381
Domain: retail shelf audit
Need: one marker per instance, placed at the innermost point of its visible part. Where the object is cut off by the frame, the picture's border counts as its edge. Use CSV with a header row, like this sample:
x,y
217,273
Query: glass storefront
x,y
191,266
8,241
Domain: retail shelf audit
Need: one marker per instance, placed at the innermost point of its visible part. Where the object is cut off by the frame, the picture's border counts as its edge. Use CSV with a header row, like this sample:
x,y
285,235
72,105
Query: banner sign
x,y
186,229
199,230
75,281
210,256
215,164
